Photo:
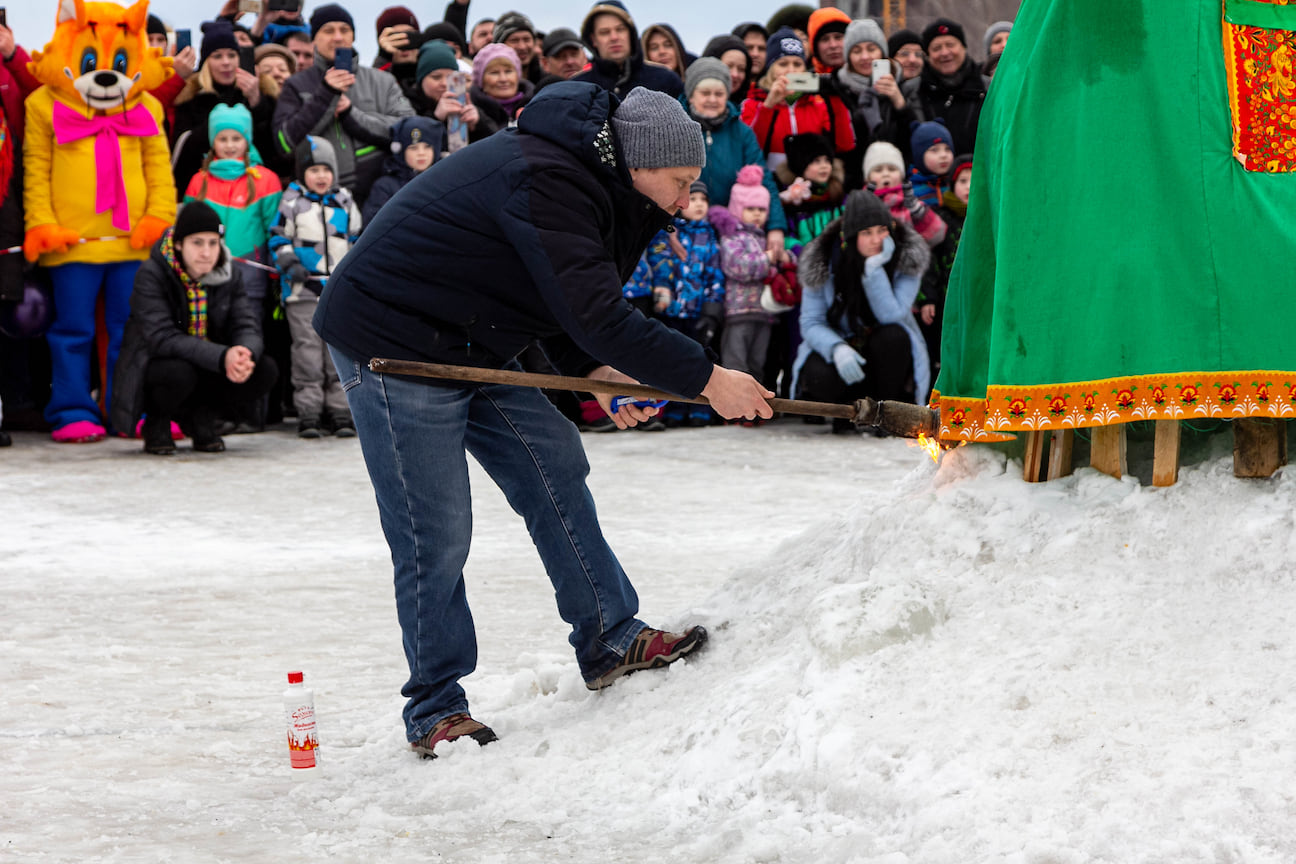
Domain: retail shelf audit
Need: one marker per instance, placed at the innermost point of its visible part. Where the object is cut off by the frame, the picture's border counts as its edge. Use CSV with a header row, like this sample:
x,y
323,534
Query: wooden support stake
x,y
1059,460
1259,446
1108,450
1165,453
1033,457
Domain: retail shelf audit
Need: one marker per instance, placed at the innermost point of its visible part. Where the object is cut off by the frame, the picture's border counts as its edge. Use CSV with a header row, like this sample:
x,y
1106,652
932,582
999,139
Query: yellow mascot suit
x,y
97,190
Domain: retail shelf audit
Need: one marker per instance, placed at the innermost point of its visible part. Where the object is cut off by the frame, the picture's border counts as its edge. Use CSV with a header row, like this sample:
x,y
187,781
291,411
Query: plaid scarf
x,y
195,293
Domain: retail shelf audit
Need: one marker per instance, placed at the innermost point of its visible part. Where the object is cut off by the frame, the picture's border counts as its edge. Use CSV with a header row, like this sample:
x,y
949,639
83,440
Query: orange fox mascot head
x,y
100,56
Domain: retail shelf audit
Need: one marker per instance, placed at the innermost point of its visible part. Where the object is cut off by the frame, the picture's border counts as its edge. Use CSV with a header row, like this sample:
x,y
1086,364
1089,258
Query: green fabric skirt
x,y
1130,247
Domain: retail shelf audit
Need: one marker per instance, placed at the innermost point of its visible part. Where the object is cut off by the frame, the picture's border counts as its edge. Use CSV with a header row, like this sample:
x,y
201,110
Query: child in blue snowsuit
x,y
316,225
688,292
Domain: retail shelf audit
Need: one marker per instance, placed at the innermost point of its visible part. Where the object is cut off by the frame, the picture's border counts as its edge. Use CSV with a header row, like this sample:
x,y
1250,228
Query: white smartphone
x,y
881,69
803,82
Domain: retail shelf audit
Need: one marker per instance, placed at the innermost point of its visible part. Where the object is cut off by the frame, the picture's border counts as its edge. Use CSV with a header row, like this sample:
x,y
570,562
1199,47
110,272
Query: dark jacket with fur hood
x,y
890,291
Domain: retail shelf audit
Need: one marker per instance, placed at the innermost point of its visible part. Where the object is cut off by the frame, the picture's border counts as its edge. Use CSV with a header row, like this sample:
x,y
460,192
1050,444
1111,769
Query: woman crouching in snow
x,y
192,344
859,280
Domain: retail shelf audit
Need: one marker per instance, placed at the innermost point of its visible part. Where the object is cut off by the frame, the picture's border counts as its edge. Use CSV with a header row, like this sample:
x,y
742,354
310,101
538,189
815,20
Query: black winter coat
x,y
928,97
528,235
396,173
159,327
607,74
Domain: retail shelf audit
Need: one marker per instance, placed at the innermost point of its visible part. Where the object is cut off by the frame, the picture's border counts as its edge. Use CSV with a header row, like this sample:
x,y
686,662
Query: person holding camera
x,y
351,106
785,101
398,42
867,84
225,76
274,22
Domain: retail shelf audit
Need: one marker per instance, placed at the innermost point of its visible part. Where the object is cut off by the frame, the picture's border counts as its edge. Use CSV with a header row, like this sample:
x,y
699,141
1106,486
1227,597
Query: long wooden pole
x,y
898,418
587,385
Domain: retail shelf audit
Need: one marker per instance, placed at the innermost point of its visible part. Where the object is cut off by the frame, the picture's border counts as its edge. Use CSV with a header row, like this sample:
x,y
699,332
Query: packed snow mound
x,y
966,667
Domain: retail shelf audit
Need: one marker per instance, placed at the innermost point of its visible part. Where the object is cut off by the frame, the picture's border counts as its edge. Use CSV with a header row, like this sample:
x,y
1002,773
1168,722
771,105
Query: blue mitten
x,y
850,365
876,262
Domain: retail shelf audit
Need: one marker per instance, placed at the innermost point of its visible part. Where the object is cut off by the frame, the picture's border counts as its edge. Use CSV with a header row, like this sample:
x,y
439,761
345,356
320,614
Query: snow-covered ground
x,y
910,664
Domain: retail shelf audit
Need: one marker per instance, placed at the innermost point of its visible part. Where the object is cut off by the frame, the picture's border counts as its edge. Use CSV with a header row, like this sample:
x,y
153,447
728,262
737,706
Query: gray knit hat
x,y
703,69
865,30
994,30
864,210
655,131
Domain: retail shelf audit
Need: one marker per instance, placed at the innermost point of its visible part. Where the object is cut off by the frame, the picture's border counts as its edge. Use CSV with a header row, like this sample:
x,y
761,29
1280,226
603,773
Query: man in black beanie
x,y
905,47
366,102
524,237
950,87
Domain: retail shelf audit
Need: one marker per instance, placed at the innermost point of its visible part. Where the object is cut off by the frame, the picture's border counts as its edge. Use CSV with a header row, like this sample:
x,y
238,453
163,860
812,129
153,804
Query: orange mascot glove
x,y
48,238
148,231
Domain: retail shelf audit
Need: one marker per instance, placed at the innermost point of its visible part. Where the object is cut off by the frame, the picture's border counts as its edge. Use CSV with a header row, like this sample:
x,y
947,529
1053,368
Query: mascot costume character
x,y
97,190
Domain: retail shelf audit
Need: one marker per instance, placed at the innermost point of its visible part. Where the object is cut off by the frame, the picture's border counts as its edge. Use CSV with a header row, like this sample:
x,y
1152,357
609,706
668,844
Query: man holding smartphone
x,y
350,105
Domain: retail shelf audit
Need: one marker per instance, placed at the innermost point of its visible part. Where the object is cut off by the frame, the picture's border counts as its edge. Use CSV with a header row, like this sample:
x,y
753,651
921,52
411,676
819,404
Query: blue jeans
x,y
414,436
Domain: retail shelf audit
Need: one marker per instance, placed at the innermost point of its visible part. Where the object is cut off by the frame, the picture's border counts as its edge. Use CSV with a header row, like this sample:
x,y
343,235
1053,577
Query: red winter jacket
x,y
166,93
16,84
809,113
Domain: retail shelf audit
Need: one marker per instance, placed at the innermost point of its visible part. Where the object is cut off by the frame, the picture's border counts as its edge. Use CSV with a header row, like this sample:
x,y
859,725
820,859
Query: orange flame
x,y
931,445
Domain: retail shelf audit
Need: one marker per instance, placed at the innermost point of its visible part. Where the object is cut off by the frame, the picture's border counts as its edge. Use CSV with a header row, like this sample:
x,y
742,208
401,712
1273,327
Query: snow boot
x,y
452,728
157,437
652,649
205,437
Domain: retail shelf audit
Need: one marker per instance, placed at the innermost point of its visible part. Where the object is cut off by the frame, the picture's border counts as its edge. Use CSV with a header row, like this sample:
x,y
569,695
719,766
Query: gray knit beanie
x,y
865,30
704,69
655,131
864,210
994,30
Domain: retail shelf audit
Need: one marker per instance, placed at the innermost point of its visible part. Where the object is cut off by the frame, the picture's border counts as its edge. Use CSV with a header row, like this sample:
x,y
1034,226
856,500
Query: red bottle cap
x,y
294,677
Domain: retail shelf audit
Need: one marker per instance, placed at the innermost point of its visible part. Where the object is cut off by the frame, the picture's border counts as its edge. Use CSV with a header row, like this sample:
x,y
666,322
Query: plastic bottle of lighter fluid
x,y
303,741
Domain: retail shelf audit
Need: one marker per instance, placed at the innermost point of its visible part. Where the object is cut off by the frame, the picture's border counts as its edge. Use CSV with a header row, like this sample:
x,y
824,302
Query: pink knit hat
x,y
494,51
749,191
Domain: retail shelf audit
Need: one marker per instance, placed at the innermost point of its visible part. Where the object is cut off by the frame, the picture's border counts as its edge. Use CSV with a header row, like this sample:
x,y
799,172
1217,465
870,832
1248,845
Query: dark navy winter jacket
x,y
528,235
608,74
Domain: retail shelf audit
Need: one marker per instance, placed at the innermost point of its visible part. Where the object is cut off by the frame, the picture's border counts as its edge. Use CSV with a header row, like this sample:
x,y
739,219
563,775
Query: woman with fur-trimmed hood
x,y
859,336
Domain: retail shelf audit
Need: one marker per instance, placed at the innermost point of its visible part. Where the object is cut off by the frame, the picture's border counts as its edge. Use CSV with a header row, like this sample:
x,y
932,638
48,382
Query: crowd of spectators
x,y
817,128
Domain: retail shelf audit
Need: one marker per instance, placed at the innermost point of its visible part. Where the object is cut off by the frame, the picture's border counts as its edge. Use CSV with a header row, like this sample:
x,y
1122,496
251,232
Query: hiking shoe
x,y
651,650
344,429
452,728
308,427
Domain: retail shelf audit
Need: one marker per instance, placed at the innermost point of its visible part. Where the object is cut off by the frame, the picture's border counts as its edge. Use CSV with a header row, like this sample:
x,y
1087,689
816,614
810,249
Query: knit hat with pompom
x,y
749,190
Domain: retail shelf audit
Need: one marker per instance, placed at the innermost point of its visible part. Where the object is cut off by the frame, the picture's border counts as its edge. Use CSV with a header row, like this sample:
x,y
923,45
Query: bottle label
x,y
303,740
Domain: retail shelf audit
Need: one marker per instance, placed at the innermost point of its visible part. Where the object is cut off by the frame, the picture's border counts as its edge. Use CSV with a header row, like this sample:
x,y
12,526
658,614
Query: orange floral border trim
x,y
1262,95
1180,396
